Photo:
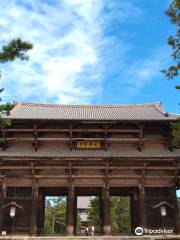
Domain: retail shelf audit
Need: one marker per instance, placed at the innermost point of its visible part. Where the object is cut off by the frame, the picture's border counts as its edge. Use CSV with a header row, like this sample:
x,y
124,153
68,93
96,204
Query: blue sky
x,y
89,51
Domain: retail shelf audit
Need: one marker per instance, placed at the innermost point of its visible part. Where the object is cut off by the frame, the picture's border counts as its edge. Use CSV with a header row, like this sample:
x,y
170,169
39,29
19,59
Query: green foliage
x,y
55,215
176,133
93,215
119,212
5,109
15,49
78,226
48,218
173,12
120,215
178,202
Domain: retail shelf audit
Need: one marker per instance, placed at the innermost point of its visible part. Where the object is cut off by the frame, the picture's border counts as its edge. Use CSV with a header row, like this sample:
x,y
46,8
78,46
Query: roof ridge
x,y
91,105
145,111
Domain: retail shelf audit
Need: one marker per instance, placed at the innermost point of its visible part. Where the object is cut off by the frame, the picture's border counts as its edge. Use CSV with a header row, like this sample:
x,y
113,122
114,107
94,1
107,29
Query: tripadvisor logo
x,y
140,231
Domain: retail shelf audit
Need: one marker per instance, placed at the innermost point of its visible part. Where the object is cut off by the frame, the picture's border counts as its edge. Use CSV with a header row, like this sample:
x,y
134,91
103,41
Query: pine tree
x,y
173,12
119,215
15,49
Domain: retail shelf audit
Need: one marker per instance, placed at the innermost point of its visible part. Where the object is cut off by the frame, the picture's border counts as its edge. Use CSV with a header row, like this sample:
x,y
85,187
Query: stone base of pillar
x,y
33,234
106,229
69,230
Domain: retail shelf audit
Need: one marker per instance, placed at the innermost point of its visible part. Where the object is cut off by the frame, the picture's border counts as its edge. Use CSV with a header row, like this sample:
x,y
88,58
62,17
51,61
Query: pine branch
x,y
15,49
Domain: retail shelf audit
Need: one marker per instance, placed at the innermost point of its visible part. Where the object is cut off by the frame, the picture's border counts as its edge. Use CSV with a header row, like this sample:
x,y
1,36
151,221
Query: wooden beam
x,y
96,167
59,130
66,139
30,139
87,176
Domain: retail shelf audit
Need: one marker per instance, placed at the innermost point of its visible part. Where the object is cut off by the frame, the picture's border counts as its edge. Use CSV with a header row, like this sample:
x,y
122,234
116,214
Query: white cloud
x,y
70,48
66,37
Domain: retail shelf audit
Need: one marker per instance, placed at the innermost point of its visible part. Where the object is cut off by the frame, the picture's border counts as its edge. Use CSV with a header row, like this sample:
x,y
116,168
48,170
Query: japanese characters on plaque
x,y
84,144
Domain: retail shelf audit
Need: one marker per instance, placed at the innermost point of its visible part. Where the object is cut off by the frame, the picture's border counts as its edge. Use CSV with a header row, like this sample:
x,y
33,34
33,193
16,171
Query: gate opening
x,y
55,215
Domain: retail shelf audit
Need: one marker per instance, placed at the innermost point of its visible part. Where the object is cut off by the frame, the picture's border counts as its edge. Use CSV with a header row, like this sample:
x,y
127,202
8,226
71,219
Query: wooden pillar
x,y
75,215
132,213
135,207
41,212
175,209
2,202
70,211
34,208
142,206
100,213
106,226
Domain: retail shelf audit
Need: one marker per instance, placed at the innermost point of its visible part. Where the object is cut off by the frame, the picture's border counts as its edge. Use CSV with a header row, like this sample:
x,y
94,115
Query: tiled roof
x,y
121,153
148,111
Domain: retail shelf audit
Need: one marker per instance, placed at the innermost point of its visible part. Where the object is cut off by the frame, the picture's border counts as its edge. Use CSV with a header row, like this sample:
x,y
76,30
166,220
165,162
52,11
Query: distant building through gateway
x,y
83,204
88,150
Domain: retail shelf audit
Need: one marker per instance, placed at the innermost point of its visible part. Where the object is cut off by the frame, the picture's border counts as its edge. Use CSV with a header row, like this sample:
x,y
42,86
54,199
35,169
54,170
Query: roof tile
x,y
119,153
148,111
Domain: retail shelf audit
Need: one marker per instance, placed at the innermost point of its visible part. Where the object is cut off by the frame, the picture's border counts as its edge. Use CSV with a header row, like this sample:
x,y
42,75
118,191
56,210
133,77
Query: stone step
x,y
158,237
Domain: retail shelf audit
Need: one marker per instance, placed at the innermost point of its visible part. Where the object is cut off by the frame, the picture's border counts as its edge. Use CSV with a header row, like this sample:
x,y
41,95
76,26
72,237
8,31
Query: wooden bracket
x,y
106,173
35,134
143,174
71,136
140,143
70,179
105,137
33,172
35,186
